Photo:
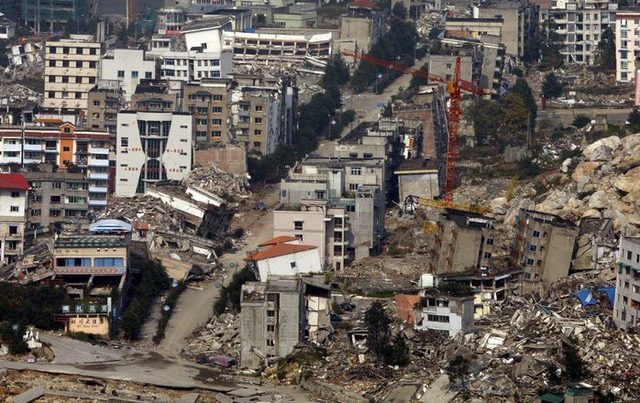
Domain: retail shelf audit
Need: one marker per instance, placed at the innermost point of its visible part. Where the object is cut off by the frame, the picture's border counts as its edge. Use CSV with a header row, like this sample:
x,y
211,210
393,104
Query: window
x,y
438,318
271,313
15,209
96,103
356,171
490,241
270,343
257,120
55,199
629,255
66,149
216,109
36,212
487,255
216,122
529,262
120,73
271,328
351,208
533,248
298,225
626,285
108,262
13,230
257,132
52,79
15,194
536,234
353,186
256,144
258,108
56,185
299,237
134,74
124,142
293,265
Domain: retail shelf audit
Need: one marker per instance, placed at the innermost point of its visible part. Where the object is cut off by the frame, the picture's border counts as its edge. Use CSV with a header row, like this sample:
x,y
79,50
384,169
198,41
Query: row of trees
x,y
397,45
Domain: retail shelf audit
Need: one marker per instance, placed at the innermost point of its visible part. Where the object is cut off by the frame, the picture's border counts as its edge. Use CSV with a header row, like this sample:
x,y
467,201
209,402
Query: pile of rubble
x,y
604,181
215,342
218,181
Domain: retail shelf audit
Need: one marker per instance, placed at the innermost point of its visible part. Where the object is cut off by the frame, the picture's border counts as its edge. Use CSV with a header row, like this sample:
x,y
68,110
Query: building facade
x,y
151,146
53,16
543,247
447,314
284,256
193,66
13,216
71,71
128,67
518,18
67,148
627,35
626,306
209,102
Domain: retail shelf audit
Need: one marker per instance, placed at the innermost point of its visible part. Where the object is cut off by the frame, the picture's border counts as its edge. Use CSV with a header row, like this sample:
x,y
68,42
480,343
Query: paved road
x,y
71,351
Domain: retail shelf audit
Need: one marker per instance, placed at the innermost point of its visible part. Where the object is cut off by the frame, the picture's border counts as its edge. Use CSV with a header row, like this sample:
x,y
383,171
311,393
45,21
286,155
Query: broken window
x,y
293,265
298,225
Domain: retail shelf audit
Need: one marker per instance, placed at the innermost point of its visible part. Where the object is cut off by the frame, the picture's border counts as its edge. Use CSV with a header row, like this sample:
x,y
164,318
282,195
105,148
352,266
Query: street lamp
x,y
331,132
378,78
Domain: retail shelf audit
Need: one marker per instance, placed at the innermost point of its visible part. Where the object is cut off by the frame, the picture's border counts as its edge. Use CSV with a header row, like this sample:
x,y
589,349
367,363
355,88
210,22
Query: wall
x,y
98,325
127,66
252,332
306,262
314,228
418,184
626,307
230,158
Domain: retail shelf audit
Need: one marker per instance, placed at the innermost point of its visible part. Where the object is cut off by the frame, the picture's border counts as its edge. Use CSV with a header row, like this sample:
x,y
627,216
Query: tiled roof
x,y
13,182
278,240
279,250
363,4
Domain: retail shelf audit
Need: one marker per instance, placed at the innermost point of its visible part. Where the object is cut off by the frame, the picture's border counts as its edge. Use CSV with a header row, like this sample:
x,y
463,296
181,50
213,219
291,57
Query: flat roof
x,y
91,242
210,21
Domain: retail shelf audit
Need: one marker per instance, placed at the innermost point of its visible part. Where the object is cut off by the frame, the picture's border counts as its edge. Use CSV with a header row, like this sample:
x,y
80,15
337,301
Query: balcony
x,y
33,147
32,160
100,151
97,203
96,271
11,147
99,175
93,162
98,189
51,150
9,160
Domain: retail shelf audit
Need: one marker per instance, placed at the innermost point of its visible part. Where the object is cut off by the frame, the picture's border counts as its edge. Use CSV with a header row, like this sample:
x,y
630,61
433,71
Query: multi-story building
x,y
464,242
93,269
280,313
70,72
483,29
7,27
580,23
361,26
56,196
627,35
446,313
252,47
65,147
626,306
209,102
104,102
543,247
154,96
13,207
301,16
53,16
151,146
518,22
193,66
205,34
128,67
284,256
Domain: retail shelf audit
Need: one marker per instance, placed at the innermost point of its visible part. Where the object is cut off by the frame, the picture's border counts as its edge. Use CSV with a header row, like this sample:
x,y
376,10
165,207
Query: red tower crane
x,y
455,86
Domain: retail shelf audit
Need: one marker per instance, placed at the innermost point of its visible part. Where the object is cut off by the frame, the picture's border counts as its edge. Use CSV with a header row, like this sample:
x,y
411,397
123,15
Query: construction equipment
x,y
412,202
455,86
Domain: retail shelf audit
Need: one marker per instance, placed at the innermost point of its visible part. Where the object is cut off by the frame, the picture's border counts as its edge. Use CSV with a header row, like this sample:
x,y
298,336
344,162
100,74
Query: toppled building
x,y
361,26
543,247
595,246
465,242
518,22
284,256
276,316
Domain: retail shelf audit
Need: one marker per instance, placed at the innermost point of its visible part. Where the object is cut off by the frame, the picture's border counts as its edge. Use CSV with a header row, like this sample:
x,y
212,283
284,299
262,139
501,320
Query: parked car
x,y
347,306
261,206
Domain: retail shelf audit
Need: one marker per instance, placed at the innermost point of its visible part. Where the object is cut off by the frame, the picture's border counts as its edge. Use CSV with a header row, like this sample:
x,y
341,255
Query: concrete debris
x,y
219,337
218,181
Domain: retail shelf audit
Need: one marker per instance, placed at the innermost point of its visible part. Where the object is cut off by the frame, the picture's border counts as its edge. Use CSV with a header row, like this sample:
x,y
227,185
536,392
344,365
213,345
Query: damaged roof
x,y
279,250
278,240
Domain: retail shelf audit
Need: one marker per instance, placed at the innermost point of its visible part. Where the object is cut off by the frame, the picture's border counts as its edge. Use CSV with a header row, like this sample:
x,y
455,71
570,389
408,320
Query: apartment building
x,y
518,17
580,23
56,196
104,102
482,29
151,146
284,256
279,314
92,268
543,247
361,26
626,306
155,96
205,34
71,71
14,191
44,16
193,66
65,147
128,67
209,102
627,35
446,313
251,47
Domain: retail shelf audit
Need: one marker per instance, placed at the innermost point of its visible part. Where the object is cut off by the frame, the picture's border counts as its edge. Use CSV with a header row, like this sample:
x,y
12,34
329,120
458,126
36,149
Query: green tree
x,y
606,51
573,363
230,295
377,322
516,117
336,73
581,121
546,44
458,369
633,120
399,10
486,116
551,87
397,353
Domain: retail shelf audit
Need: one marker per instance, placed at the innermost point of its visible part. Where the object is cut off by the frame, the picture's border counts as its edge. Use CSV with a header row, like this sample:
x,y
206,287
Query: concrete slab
x,y
30,395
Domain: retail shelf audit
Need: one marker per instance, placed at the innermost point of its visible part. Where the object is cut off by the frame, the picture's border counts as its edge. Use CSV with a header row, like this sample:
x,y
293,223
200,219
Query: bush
x,y
238,233
230,295
581,121
31,305
171,301
528,168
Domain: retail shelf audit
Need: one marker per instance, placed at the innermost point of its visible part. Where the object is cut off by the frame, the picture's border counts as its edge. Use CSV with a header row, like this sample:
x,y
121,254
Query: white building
x,y
7,27
70,72
194,66
448,314
127,66
284,256
13,215
626,305
151,146
581,23
262,47
205,34
627,45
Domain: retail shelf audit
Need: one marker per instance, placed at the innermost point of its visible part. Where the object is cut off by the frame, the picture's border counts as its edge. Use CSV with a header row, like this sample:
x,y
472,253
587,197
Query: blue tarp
x,y
585,297
609,291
